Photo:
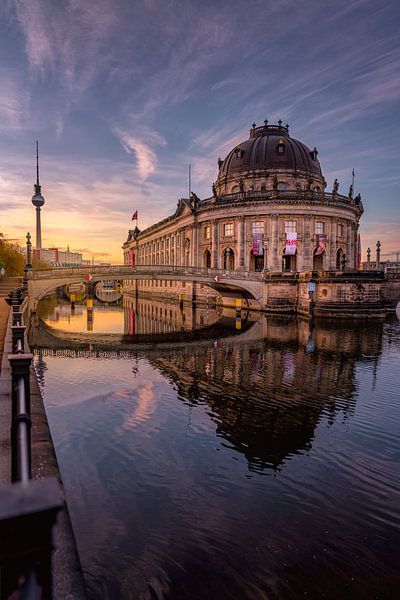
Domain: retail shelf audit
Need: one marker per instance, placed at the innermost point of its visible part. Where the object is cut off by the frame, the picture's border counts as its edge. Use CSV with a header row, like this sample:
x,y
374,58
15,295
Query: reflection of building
x,y
268,395
142,316
269,197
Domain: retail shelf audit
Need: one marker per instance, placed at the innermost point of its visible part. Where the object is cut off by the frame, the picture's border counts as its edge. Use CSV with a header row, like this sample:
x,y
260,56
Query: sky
x,y
124,94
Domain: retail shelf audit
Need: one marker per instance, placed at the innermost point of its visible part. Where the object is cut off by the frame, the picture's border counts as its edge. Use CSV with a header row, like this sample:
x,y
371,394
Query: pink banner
x,y
291,244
257,249
321,244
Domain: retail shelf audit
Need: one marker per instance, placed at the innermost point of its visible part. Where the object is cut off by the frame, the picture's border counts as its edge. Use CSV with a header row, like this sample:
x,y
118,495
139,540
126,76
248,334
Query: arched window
x,y
207,259
229,259
282,185
280,149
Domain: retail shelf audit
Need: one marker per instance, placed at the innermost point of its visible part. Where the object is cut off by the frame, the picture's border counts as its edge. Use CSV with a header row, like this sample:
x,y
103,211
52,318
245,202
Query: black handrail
x,y
28,508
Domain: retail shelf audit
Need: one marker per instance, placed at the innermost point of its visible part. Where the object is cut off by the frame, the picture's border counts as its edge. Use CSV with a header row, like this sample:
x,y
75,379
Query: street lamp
x,y
266,255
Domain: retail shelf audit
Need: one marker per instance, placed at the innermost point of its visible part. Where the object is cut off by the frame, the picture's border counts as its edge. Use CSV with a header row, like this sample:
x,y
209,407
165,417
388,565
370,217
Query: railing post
x,y
20,370
18,335
28,512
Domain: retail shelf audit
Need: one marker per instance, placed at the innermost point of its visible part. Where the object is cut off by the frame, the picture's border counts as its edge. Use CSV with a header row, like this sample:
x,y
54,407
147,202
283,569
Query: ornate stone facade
x,y
269,211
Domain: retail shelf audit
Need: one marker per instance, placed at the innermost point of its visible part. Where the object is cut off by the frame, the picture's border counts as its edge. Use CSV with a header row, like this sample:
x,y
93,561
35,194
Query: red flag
x,y
134,216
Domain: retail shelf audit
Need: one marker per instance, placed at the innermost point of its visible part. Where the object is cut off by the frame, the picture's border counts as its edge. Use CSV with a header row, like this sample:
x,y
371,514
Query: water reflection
x,y
261,465
140,320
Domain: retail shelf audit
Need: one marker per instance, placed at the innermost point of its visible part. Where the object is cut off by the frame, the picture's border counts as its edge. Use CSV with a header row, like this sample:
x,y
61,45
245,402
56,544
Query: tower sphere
x,y
37,198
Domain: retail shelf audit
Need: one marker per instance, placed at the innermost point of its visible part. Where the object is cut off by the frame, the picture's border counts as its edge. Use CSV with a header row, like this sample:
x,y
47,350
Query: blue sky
x,y
122,95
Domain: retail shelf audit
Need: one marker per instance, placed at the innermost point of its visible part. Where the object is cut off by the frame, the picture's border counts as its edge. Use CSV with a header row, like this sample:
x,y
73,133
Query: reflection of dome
x,y
270,147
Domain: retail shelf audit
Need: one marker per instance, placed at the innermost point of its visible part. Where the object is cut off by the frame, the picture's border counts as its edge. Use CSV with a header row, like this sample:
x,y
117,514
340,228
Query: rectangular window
x,y
228,229
340,230
257,227
319,227
290,226
207,232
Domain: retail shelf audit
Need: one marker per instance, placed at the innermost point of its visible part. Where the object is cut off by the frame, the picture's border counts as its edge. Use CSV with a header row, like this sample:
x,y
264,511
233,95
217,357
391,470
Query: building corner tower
x,y
38,201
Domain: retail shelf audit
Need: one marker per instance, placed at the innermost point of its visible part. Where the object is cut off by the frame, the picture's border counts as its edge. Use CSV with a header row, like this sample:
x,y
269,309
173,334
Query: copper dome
x,y
270,147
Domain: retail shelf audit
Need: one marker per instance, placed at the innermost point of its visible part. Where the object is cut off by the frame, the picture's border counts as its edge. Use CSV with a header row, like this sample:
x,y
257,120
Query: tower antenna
x,y
37,162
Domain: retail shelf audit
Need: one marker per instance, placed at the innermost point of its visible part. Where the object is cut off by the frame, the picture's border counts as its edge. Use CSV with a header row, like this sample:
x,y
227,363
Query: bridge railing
x,y
28,508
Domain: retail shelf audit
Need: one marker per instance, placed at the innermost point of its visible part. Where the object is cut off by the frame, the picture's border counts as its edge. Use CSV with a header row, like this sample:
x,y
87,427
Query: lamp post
x,y
266,255
378,255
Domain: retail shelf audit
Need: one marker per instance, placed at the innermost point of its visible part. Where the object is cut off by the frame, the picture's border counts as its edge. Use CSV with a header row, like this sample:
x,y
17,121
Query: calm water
x,y
260,462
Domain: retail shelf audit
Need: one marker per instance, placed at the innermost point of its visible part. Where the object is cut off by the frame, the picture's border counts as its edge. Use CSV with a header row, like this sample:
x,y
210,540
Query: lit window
x,y
207,232
319,227
290,226
280,147
257,227
228,229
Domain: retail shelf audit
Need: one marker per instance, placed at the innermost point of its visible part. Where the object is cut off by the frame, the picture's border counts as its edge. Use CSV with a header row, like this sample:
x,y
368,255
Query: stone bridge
x,y
347,293
230,284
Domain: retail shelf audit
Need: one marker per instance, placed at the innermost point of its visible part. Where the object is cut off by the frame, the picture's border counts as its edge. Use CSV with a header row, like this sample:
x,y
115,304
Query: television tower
x,y
38,201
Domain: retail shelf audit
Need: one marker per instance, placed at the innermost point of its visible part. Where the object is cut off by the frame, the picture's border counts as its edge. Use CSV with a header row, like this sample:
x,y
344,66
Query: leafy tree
x,y
11,258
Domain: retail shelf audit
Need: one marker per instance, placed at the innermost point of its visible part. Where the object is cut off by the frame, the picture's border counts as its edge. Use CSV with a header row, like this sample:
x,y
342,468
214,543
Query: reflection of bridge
x,y
242,284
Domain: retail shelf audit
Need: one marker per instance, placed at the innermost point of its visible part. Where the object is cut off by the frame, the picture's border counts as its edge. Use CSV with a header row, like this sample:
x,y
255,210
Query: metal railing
x,y
28,508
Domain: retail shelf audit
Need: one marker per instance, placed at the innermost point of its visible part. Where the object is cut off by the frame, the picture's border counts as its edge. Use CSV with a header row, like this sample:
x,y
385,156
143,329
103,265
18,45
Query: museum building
x,y
269,211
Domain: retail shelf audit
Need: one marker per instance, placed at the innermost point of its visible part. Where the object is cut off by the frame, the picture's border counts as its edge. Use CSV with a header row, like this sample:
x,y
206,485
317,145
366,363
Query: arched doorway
x,y
289,262
256,262
228,259
318,262
187,252
207,259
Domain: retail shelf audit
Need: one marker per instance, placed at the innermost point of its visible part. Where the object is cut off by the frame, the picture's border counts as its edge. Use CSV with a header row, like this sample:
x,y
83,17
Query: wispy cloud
x,y
145,156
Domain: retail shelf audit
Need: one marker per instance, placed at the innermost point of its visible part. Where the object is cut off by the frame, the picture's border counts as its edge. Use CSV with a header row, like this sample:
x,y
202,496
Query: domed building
x,y
269,211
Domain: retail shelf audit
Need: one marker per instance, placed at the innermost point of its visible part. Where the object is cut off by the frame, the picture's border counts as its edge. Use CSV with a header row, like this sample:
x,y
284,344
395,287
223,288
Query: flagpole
x,y
352,183
190,179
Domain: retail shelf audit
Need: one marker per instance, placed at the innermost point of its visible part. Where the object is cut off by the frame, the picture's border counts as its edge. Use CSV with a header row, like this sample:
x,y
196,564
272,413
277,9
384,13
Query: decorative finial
x,y
265,121
280,122
287,126
254,126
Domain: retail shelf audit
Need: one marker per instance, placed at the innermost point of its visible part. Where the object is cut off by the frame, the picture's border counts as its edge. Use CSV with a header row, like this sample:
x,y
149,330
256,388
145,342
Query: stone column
x,y
195,250
240,265
333,244
307,245
349,249
274,245
214,245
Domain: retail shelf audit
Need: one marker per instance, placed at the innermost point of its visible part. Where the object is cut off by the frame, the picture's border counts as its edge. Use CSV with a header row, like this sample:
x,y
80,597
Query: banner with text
x,y
291,244
321,244
257,249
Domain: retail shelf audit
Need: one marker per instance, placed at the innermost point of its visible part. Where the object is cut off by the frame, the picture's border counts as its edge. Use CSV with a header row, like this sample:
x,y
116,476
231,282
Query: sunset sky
x,y
123,94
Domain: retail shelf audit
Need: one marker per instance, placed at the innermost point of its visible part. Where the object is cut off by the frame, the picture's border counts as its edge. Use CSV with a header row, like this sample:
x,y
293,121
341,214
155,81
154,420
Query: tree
x,y
11,258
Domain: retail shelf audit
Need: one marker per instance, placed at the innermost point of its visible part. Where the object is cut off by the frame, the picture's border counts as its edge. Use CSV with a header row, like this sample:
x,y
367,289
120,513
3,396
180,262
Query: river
x,y
209,456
